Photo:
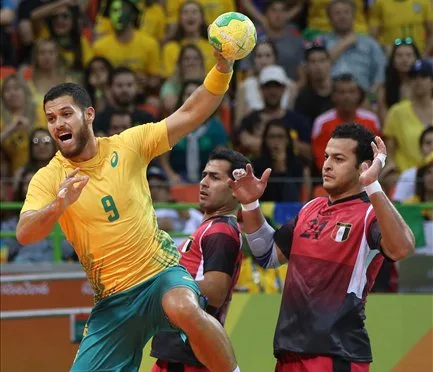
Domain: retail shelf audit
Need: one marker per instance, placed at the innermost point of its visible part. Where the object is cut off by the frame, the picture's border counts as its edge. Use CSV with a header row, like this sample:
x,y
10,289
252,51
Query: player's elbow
x,y
403,248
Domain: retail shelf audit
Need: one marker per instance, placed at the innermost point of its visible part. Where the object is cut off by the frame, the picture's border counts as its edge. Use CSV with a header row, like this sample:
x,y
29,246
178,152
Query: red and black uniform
x,y
334,256
214,246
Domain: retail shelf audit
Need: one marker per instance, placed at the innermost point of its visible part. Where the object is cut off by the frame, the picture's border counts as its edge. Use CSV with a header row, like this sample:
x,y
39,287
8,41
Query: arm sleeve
x,y
42,189
220,249
283,237
149,140
374,237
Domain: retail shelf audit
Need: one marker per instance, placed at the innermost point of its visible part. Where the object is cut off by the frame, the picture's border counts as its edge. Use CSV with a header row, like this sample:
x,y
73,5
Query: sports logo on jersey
x,y
341,231
187,245
114,159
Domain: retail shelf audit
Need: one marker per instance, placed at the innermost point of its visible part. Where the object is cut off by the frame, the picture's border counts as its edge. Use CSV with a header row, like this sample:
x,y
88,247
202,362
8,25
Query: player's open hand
x,y
246,186
70,189
370,174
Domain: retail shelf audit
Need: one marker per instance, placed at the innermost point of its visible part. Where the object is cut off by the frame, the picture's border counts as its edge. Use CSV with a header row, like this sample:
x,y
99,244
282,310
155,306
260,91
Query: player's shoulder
x,y
223,224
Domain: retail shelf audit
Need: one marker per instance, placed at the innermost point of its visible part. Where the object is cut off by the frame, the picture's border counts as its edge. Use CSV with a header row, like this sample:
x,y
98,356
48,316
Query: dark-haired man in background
x,y
334,248
212,255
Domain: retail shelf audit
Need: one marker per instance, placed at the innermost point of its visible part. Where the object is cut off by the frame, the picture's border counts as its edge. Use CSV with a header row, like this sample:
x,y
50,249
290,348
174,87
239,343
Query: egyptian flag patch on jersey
x,y
341,231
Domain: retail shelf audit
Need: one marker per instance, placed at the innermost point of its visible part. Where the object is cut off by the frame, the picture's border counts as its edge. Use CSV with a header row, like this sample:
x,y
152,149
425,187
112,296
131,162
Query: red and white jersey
x,y
215,246
334,256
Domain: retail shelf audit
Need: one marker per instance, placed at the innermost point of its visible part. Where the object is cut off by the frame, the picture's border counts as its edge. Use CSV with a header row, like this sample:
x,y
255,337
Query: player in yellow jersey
x,y
95,188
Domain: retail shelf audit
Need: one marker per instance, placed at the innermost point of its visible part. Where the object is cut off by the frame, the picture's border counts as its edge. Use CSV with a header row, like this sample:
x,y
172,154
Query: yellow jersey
x,y
318,17
211,8
171,50
112,226
401,19
402,125
141,54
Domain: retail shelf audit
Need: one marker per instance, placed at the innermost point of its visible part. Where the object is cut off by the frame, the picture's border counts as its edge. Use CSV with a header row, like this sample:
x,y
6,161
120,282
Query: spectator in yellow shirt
x,y
191,29
128,47
152,20
211,9
17,119
64,28
391,19
406,120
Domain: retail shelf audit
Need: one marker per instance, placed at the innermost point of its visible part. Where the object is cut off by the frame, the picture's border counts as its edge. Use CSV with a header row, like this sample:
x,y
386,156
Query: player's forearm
x,y
397,239
34,226
252,220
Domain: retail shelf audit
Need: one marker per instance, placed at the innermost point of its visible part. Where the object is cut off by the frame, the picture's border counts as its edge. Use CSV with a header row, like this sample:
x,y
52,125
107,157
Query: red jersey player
x,y
334,248
212,255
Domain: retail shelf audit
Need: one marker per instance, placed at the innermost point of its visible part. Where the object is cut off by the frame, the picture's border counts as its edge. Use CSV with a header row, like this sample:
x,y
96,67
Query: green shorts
x,y
120,325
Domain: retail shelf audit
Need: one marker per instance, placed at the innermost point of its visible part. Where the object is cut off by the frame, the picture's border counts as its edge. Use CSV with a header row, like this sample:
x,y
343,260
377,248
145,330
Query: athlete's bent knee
x,y
181,305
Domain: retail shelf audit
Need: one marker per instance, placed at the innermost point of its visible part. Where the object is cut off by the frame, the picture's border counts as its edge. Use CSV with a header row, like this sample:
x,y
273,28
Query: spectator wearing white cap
x,y
273,81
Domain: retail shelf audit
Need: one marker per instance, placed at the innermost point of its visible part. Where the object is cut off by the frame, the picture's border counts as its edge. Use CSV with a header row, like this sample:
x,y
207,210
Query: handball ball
x,y
233,35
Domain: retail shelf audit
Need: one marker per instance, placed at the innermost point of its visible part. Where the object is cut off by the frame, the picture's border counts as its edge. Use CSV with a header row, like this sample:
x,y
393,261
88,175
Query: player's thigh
x,y
113,337
169,279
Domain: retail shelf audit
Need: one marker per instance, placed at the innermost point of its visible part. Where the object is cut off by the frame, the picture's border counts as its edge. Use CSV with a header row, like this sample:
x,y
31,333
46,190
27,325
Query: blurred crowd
x,y
317,64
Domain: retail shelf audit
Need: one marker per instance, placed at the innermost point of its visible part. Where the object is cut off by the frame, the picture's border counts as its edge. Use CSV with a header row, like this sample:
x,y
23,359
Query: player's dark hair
x,y
236,159
423,135
361,135
78,94
119,71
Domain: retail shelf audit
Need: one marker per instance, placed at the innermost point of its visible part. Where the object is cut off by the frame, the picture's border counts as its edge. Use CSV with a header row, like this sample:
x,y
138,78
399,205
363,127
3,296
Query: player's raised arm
x,y
36,224
397,240
202,103
260,235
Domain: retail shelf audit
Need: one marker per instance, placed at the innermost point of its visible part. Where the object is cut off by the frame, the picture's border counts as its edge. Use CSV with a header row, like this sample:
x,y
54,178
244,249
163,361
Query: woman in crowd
x,y
47,71
188,157
191,29
397,83
17,119
96,76
278,154
41,151
190,66
248,94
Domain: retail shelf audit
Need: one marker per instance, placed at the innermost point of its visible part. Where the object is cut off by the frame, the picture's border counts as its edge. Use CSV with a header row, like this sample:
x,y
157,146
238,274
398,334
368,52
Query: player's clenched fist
x,y
70,189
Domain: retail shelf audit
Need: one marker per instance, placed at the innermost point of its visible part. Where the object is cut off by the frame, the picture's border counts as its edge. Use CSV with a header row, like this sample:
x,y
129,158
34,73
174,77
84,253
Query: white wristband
x,y
250,206
372,188
382,158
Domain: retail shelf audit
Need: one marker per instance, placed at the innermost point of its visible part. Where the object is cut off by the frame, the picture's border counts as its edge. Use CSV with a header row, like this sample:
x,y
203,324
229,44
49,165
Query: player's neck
x,y
89,151
223,211
355,190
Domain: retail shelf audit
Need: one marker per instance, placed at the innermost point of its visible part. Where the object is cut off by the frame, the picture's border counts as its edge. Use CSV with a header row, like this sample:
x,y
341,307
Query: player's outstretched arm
x,y
260,235
35,225
397,240
202,103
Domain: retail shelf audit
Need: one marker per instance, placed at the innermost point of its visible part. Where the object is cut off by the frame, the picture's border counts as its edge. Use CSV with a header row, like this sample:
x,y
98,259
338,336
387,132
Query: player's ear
x,y
89,114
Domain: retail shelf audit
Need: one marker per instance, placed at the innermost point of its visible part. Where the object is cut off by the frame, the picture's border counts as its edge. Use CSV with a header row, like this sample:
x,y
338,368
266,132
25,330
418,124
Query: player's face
x,y
69,126
340,172
215,192
404,58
